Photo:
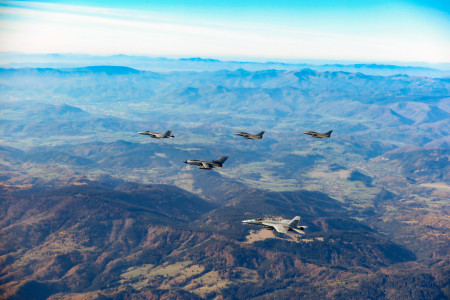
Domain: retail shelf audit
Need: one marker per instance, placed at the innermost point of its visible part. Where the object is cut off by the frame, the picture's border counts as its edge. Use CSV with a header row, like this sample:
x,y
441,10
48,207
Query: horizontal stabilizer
x,y
298,230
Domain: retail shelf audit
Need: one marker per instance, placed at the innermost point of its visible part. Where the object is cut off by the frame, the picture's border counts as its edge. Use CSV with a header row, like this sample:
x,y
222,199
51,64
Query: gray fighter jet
x,y
207,165
282,226
157,135
250,136
319,135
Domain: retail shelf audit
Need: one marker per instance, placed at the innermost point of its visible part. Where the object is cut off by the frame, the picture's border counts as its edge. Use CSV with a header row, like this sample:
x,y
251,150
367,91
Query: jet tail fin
x,y
294,222
328,133
221,160
260,134
168,133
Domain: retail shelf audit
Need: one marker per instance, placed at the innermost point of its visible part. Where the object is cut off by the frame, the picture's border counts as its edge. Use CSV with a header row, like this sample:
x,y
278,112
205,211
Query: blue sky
x,y
257,4
376,31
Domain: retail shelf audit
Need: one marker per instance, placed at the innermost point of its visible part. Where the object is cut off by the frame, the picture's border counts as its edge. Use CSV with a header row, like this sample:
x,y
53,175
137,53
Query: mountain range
x,y
93,238
91,209
162,64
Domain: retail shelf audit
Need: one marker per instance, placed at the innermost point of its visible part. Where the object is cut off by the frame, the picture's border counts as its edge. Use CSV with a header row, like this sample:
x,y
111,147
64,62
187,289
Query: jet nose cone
x,y
246,221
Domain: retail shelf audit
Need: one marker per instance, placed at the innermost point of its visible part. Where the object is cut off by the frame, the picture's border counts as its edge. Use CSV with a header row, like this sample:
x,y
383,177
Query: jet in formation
x,y
158,135
282,226
249,136
319,135
207,165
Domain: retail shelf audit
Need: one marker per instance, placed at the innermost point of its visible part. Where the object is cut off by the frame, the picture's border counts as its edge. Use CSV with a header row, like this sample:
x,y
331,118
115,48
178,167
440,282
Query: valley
x,y
90,208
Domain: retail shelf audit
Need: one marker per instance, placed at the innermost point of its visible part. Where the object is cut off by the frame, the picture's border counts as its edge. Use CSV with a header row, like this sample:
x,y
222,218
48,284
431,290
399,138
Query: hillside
x,y
91,239
91,209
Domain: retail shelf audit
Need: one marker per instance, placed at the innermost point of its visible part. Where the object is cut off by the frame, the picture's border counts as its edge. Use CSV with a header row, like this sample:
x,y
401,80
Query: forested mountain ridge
x,y
89,238
90,208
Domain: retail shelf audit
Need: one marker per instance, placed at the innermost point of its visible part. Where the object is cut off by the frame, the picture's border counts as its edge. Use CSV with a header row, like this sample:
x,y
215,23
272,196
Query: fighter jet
x,y
207,165
249,136
157,135
319,135
282,226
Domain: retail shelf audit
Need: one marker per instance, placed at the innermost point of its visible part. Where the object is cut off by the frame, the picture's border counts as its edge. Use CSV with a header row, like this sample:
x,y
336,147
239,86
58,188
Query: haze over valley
x,y
90,208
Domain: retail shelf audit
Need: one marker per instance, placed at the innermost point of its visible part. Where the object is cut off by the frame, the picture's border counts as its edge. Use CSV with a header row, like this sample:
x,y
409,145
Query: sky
x,y
369,31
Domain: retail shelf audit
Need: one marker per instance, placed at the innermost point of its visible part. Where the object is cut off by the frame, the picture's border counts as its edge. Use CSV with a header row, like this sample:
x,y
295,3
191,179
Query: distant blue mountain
x,y
378,66
198,59
161,64
110,70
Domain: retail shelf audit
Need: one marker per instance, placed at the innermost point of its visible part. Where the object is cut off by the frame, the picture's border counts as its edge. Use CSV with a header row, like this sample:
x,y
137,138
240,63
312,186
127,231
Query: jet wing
x,y
244,134
311,133
149,133
205,165
280,228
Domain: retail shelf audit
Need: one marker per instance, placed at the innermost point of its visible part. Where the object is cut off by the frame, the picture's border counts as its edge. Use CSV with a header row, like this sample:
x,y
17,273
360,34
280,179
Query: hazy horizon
x,y
4,56
382,31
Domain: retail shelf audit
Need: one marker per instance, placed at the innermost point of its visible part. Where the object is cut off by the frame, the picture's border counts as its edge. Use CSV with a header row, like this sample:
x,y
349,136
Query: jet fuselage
x,y
282,226
319,135
250,136
158,135
207,165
